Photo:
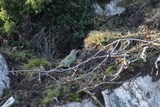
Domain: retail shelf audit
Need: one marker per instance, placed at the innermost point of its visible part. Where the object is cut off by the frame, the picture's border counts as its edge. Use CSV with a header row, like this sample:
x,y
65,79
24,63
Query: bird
x,y
68,60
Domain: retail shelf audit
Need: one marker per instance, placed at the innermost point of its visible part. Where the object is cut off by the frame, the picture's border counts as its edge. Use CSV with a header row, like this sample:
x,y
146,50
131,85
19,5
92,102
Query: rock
x,y
141,92
4,79
110,8
84,103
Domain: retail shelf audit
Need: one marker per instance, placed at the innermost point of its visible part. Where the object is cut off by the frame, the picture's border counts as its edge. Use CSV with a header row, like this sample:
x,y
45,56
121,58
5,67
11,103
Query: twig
x,y
53,78
110,51
113,50
143,55
128,42
119,71
109,82
92,70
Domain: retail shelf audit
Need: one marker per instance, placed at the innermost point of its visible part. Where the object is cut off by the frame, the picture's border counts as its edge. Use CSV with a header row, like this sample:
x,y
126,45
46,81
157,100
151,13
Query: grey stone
x,y
4,79
140,92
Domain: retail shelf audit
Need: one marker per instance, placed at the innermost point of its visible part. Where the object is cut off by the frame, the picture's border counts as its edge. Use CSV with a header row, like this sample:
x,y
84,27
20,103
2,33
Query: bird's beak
x,y
78,51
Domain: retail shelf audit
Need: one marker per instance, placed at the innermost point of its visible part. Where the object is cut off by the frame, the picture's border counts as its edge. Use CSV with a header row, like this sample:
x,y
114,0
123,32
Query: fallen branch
x,y
9,102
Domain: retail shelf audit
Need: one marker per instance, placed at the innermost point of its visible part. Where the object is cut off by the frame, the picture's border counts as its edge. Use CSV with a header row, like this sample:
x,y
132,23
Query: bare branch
x,y
143,55
9,102
89,65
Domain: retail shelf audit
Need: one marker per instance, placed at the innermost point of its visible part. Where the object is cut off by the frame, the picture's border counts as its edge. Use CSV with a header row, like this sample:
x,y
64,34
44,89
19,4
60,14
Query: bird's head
x,y
74,52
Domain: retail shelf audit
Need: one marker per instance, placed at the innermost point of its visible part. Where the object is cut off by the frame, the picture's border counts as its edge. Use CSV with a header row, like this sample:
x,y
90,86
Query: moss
x,y
50,96
111,70
52,92
38,64
74,97
140,60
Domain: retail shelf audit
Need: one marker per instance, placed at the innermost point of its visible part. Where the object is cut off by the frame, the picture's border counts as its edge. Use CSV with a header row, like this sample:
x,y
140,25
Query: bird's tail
x,y
59,66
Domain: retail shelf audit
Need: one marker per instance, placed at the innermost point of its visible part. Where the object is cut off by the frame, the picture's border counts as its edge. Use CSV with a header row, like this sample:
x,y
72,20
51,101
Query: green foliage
x,y
37,5
75,17
10,14
9,26
12,11
67,21
72,21
51,93
140,60
111,70
3,15
74,97
38,64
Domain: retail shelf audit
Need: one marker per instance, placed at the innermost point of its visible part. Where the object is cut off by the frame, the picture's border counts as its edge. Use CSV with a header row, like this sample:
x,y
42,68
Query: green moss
x,y
37,64
52,92
74,97
50,95
140,60
47,101
111,70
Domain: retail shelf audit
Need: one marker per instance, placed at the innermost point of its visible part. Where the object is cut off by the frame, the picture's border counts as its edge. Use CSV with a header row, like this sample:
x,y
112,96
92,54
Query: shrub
x,y
95,39
66,22
74,21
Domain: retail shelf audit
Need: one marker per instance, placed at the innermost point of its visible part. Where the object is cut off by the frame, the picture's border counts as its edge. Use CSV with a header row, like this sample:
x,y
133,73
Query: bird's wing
x,y
64,61
67,58
61,64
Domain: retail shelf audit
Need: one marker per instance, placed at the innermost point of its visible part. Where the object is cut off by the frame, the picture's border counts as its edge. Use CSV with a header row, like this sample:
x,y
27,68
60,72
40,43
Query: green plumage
x,y
68,60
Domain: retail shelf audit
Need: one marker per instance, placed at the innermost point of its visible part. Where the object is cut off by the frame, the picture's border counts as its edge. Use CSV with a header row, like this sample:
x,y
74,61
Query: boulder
x,y
140,92
4,79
